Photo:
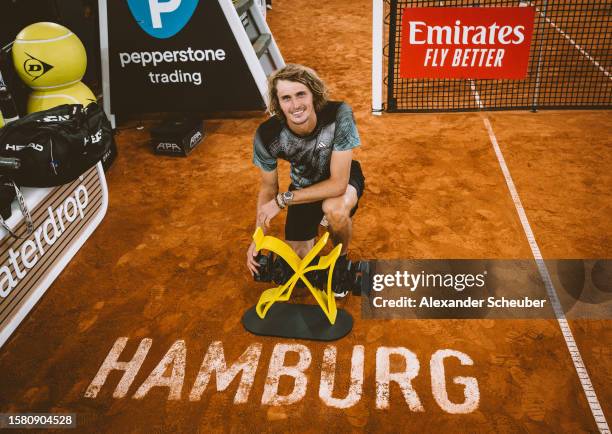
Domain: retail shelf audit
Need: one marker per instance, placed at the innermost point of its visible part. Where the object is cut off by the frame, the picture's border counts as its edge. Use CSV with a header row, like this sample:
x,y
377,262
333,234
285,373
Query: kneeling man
x,y
317,137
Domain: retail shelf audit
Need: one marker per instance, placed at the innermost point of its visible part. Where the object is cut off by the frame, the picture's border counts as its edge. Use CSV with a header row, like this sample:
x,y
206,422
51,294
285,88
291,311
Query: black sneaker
x,y
314,277
339,279
281,271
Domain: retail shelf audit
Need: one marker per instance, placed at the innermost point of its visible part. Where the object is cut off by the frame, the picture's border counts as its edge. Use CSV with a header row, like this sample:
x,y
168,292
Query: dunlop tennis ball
x,y
77,93
48,56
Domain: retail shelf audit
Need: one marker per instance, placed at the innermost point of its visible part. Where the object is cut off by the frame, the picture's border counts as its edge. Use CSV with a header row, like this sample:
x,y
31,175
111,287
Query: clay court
x,y
166,269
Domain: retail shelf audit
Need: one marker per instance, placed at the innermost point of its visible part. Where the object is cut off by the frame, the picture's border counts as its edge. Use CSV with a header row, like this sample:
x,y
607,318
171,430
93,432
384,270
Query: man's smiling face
x,y
296,103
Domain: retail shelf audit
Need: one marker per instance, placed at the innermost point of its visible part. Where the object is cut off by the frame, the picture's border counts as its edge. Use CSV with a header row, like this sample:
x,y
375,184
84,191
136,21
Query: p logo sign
x,y
162,18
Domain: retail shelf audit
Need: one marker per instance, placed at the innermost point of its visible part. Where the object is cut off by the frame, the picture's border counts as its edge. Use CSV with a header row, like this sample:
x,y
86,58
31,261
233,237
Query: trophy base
x,y
298,321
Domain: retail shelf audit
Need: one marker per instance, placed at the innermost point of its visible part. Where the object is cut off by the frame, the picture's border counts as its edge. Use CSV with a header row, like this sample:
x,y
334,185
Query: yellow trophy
x,y
303,321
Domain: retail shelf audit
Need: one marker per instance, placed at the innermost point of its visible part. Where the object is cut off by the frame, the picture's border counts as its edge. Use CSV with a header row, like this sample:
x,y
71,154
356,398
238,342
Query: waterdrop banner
x,y
474,42
176,55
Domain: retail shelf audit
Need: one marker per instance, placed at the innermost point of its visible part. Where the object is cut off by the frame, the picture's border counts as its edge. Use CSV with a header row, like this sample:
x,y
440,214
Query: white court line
x,y
572,347
578,47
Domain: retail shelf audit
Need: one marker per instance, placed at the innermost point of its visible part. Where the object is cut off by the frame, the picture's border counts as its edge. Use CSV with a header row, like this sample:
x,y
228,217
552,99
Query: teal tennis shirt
x,y
310,156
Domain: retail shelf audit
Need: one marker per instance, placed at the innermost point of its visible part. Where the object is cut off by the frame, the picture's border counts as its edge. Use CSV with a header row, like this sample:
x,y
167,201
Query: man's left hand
x,y
267,212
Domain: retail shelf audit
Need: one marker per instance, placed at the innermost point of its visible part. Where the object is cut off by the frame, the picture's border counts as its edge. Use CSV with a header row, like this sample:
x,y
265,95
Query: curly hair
x,y
301,74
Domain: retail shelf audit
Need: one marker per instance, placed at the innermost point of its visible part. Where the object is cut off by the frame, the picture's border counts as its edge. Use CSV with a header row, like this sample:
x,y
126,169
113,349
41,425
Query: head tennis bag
x,y
55,146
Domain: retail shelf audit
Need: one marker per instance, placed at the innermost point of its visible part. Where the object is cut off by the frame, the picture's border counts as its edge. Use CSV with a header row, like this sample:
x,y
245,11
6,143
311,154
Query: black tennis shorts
x,y
303,220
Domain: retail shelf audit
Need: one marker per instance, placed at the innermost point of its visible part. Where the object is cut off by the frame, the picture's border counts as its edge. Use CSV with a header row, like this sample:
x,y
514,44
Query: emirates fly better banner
x,y
487,42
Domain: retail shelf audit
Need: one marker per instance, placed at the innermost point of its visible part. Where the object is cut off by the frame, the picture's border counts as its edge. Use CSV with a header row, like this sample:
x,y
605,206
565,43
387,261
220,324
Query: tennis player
x,y
317,137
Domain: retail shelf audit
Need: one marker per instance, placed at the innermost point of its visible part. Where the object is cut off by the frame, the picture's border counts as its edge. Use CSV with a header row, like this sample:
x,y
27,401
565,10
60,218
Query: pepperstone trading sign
x,y
176,55
487,42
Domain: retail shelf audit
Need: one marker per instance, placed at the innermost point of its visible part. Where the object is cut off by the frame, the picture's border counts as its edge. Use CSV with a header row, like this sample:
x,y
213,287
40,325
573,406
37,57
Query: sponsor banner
x,y
63,220
487,42
176,56
513,289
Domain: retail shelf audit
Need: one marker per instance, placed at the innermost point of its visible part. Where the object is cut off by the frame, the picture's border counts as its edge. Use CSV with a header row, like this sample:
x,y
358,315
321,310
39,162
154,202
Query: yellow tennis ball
x,y
77,93
48,56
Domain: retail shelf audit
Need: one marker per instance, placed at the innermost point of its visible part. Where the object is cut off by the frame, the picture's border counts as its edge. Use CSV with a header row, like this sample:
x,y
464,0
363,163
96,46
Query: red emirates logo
x,y
466,42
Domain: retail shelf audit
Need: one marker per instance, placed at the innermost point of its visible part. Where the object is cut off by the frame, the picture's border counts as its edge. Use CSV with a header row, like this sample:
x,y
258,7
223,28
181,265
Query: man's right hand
x,y
252,264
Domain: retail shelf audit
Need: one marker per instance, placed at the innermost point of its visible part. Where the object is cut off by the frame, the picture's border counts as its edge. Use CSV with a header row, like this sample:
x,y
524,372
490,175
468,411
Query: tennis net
x,y
570,62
